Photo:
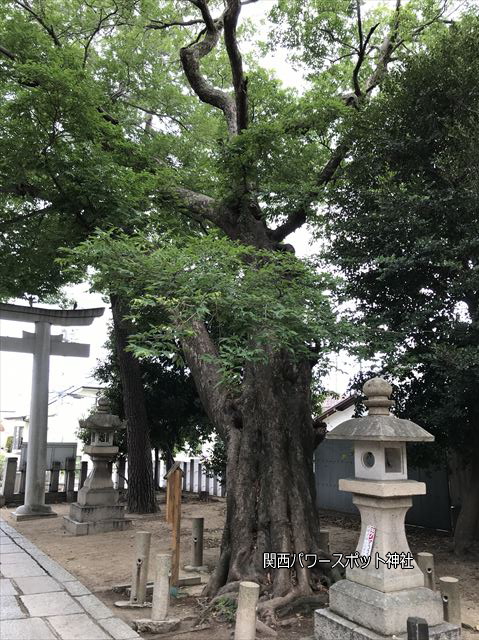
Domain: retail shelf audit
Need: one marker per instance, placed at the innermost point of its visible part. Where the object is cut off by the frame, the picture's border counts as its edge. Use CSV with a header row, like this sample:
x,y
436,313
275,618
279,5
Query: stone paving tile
x,y
55,570
8,548
9,608
77,627
118,629
7,588
10,558
94,607
50,604
28,629
38,584
22,570
76,588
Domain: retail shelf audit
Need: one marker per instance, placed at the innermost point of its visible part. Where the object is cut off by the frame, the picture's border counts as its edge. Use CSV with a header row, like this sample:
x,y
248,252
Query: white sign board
x,y
368,541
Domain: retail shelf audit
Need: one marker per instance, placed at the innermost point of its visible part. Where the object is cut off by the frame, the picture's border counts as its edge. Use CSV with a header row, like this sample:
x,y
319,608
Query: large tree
x,y
241,306
404,230
75,155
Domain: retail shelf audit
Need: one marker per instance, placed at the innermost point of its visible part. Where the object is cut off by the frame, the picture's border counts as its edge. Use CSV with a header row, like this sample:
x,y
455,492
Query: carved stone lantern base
x,y
331,626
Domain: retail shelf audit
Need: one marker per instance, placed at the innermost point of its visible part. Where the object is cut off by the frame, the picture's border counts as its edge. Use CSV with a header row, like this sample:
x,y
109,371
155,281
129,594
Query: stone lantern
x,y
96,509
383,587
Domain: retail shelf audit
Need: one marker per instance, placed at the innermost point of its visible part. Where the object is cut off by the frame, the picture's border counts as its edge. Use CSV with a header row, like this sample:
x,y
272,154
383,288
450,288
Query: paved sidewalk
x,y
39,600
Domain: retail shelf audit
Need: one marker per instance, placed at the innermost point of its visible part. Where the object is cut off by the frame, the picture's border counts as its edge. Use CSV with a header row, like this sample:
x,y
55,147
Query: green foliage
x,y
9,444
175,415
225,609
404,231
252,300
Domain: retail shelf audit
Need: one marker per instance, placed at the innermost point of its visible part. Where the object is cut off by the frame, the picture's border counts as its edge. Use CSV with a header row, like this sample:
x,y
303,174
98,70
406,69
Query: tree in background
x,y
404,230
76,155
175,415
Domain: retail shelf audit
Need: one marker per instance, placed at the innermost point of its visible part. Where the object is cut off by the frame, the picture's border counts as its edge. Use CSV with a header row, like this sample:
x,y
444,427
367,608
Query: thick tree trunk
x,y
141,495
271,498
465,490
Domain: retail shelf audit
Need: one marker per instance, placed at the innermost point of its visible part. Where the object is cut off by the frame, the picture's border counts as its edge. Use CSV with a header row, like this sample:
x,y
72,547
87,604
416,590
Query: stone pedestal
x,y
331,626
384,587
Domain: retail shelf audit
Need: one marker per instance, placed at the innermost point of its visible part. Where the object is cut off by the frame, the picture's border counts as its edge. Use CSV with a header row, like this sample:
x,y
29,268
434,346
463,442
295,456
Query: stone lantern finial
x,y
103,405
378,390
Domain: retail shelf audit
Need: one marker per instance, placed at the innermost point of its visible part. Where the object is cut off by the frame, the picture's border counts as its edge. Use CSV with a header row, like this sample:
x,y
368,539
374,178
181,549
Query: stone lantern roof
x,y
102,419
379,424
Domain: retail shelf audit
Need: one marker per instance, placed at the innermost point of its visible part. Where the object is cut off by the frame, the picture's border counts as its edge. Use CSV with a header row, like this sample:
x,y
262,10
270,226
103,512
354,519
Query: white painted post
x,y
245,628
161,588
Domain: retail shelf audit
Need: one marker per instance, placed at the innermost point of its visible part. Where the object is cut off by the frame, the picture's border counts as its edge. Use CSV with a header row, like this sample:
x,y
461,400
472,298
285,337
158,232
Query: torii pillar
x,y
42,344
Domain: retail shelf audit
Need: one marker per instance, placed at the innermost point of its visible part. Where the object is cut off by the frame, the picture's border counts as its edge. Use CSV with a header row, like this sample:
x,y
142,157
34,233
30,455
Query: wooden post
x,y
215,485
174,482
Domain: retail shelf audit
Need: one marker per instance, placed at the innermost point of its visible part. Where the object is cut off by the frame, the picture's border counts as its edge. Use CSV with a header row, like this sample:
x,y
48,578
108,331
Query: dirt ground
x,y
103,561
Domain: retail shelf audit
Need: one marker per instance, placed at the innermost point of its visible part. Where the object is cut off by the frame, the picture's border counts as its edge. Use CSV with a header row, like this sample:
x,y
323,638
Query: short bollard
x,y
417,629
161,589
245,628
324,540
425,561
160,622
139,573
140,567
197,525
451,599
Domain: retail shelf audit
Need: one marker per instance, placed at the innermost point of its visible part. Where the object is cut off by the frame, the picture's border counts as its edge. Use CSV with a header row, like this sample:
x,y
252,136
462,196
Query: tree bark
x,y
141,495
465,485
271,497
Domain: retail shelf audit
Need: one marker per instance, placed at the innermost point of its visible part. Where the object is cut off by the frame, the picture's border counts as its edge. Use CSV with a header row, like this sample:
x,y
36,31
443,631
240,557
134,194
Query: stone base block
x,y
330,626
384,613
126,604
19,517
98,497
202,569
89,513
101,526
157,626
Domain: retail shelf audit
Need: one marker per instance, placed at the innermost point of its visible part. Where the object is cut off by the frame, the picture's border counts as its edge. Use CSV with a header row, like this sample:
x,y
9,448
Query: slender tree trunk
x,y
465,484
141,495
271,497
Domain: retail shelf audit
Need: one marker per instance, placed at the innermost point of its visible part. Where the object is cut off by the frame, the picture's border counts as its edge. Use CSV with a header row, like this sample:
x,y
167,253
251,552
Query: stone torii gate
x,y
42,344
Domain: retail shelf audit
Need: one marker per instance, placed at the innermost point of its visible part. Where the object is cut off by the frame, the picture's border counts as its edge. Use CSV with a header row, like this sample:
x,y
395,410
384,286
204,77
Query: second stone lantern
x,y
97,509
383,587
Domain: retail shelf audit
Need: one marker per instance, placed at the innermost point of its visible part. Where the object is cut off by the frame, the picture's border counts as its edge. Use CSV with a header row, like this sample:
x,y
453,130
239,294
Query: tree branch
x,y
159,24
240,83
190,59
48,28
206,374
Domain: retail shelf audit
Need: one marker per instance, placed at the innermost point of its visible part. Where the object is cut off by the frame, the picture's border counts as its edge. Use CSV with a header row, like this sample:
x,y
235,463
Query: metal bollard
x,y
140,567
417,629
425,561
245,628
161,587
324,540
451,599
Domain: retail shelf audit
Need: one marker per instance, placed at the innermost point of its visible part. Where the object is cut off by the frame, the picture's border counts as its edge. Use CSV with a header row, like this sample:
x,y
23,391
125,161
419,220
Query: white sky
x,y
15,369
